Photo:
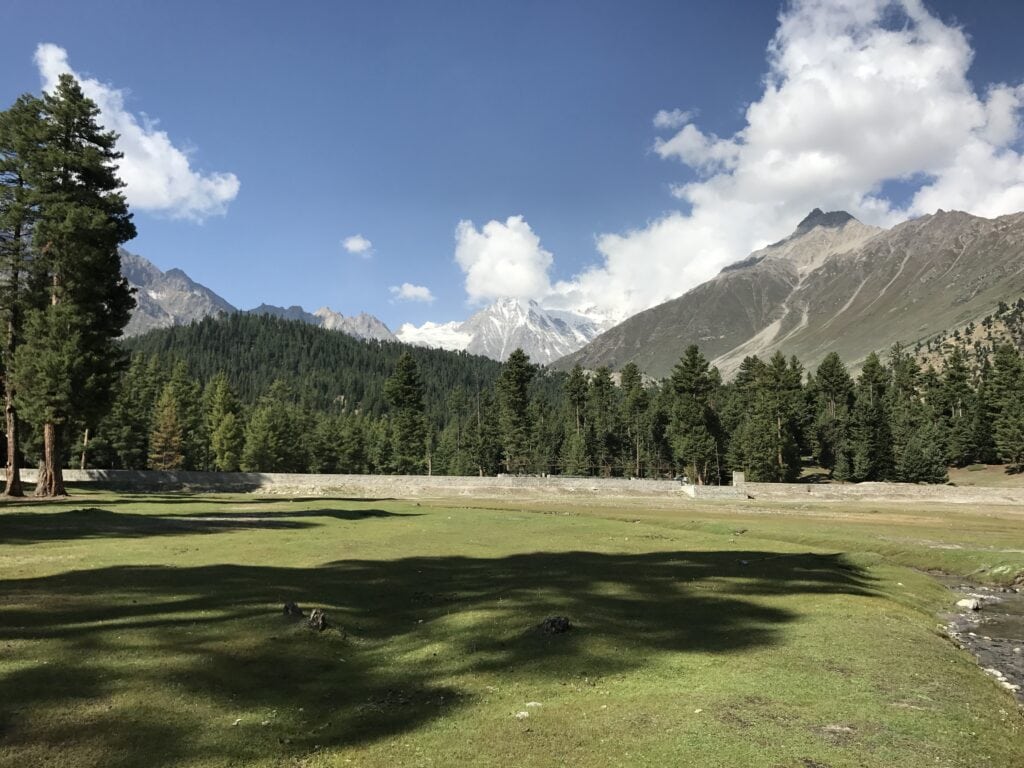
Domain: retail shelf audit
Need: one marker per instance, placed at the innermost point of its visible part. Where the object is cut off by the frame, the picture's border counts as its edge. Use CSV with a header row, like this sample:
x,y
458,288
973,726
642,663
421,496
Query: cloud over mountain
x,y
502,260
859,98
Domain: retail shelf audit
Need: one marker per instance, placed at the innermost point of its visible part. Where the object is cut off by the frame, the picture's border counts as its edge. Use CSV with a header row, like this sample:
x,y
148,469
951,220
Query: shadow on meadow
x,y
143,663
34,526
80,492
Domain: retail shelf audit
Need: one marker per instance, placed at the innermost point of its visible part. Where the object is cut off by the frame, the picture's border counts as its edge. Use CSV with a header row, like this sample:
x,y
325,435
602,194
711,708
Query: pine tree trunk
x,y
51,478
85,447
13,484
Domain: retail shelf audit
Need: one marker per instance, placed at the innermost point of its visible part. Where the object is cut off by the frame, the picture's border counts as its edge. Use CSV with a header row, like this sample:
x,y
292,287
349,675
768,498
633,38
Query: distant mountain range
x,y
497,330
834,285
173,298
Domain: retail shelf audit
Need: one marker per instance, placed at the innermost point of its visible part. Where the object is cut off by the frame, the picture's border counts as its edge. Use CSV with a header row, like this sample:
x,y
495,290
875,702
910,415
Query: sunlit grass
x,y
147,630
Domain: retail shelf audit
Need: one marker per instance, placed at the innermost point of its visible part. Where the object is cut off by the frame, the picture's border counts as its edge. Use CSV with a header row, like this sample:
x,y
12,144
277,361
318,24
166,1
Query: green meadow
x,y
147,630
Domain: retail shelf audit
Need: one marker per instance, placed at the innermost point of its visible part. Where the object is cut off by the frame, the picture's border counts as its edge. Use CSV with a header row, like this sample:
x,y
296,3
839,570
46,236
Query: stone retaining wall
x,y
883,492
390,486
411,486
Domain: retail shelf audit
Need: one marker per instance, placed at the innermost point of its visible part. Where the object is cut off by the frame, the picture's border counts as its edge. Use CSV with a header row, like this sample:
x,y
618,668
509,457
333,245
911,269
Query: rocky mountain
x,y
172,298
835,284
166,298
362,326
495,331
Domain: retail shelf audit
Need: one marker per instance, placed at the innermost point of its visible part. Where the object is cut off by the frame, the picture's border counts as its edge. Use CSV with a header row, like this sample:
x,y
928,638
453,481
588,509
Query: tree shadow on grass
x,y
413,641
217,496
93,522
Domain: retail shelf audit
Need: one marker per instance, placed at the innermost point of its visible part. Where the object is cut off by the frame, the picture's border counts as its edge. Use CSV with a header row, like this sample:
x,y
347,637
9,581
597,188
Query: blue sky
x,y
399,120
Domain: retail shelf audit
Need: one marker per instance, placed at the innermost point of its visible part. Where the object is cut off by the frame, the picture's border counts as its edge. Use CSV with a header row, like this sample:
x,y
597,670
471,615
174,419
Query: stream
x,y
994,632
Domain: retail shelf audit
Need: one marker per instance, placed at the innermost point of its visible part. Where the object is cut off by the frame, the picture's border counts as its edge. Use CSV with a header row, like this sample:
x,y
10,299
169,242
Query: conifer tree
x,y
223,425
165,441
404,393
276,434
922,459
833,392
957,406
694,429
513,400
635,402
20,131
485,435
1010,433
871,455
602,418
576,386
188,395
68,362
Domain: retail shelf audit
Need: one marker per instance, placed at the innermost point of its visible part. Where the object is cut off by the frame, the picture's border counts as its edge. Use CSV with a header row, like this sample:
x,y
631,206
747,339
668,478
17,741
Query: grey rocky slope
x,y
362,326
172,298
833,285
497,330
166,298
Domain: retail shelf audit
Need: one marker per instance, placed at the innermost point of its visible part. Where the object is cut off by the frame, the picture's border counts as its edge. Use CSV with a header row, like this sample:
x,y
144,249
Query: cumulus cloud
x,y
857,93
410,292
158,176
502,260
358,245
671,118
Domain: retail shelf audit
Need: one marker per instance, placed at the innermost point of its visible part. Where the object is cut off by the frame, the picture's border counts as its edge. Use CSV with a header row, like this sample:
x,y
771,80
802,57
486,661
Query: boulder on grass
x,y
555,625
318,620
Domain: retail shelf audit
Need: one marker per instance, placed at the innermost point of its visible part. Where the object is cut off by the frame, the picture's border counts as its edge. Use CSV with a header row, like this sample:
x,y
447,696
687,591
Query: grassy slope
x,y
137,630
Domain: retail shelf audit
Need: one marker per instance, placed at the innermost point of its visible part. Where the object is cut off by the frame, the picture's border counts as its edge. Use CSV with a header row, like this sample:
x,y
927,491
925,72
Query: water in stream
x,y
994,633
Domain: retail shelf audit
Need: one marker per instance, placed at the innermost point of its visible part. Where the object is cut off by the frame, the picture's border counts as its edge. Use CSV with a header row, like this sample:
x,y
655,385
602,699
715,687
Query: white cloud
x,y
157,175
358,245
410,292
858,93
502,260
672,118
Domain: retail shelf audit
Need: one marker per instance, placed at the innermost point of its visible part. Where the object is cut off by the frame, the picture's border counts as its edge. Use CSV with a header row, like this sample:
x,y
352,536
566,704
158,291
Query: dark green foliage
x,y
871,447
513,400
224,425
603,421
694,429
20,132
921,459
895,423
276,438
1010,433
635,404
404,393
329,371
832,392
767,442
67,365
166,442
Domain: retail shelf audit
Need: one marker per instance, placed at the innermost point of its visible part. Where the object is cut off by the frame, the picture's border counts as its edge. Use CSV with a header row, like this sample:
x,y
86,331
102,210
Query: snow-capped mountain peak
x,y
497,330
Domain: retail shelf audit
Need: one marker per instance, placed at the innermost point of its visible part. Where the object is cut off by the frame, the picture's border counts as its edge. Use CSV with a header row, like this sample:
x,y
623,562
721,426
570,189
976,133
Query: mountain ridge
x,y
834,284
171,298
505,325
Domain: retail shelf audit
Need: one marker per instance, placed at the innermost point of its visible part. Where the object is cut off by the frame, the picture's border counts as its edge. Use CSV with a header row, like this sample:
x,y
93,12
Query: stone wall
x,y
390,486
412,486
908,492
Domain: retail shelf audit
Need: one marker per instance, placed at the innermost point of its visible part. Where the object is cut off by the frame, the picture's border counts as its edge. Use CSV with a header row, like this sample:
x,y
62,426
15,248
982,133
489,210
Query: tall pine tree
x,y
20,131
66,366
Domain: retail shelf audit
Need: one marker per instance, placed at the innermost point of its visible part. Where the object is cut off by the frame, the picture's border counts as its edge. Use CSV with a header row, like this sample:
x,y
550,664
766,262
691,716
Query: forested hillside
x,y
326,369
265,394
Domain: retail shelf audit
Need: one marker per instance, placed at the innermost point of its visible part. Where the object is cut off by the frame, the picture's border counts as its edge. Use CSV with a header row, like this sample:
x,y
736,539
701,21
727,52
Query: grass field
x,y
146,630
